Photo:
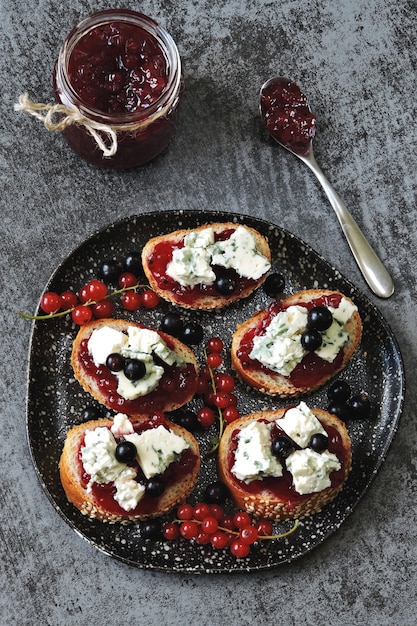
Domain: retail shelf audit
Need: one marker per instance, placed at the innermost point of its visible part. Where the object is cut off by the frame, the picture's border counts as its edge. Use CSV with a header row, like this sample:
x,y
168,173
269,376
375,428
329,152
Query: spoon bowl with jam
x,y
287,117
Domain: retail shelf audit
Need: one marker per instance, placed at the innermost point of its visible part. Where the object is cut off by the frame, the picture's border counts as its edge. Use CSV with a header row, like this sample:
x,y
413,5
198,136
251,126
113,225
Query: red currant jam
x,y
120,69
286,114
312,369
283,487
175,386
162,256
104,493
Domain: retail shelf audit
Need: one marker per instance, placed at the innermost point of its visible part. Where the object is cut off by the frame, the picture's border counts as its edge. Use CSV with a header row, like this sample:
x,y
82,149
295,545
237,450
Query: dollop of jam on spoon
x,y
286,115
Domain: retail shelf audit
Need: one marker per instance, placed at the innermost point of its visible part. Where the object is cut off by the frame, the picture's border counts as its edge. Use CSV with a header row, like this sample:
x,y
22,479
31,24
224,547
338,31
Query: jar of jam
x,y
118,74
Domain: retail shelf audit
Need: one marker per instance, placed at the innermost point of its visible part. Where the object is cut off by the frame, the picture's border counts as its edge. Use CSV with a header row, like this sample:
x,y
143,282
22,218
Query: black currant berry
x,y
133,263
340,409
192,334
225,285
319,318
216,493
172,324
311,340
90,413
151,529
274,285
281,447
187,419
125,452
155,487
134,369
360,406
115,362
339,391
318,442
110,270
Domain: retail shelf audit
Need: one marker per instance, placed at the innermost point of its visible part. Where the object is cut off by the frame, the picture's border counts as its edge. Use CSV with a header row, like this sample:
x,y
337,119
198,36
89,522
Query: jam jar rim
x,y
166,101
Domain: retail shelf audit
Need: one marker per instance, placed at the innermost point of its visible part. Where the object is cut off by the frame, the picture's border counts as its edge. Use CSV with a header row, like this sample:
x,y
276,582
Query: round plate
x,y
55,399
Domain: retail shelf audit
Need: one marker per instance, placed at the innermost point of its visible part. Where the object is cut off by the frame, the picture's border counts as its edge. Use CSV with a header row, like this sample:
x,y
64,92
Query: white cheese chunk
x,y
132,389
253,457
98,457
335,337
104,341
311,470
240,253
128,491
190,265
280,347
121,425
156,449
300,424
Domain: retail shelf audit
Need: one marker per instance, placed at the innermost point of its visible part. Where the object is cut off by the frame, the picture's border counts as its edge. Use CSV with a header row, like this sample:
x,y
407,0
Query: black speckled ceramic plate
x,y
55,399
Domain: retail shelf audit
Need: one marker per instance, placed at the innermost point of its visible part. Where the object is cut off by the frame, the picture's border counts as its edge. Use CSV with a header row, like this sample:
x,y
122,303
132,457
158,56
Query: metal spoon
x,y
369,263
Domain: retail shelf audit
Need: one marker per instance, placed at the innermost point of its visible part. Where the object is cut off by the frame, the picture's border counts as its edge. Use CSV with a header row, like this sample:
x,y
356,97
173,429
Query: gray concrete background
x,y
357,61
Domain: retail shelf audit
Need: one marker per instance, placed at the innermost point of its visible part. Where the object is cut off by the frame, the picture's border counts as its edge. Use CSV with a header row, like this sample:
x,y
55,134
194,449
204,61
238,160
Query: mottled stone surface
x,y
357,61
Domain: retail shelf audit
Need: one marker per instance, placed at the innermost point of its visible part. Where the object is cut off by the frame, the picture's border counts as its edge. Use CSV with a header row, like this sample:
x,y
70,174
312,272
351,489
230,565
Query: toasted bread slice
x,y
176,387
276,498
157,254
313,371
98,501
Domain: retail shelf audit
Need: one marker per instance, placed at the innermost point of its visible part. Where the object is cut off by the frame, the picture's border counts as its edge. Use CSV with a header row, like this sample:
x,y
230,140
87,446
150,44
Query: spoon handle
x,y
368,261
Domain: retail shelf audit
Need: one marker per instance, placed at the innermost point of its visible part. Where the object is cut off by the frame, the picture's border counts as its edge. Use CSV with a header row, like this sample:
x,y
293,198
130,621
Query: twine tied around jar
x,y
59,117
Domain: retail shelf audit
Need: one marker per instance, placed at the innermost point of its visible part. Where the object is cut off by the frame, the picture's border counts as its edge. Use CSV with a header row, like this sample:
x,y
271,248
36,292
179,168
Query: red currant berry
x,y
209,525
220,540
205,373
214,360
50,302
189,529
103,309
81,315
201,510
248,534
230,414
206,416
217,511
242,519
185,512
202,538
170,531
150,299
96,289
209,398
215,344
239,549
69,300
228,523
222,400
127,279
224,382
264,528
83,294
203,386
131,300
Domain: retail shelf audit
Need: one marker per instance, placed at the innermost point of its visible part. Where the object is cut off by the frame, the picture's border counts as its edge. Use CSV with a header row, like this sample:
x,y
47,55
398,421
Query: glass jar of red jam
x,y
119,75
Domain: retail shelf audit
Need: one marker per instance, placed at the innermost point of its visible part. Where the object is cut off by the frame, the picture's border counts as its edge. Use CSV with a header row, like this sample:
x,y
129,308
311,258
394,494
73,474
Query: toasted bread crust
x,y
274,384
154,400
76,493
264,503
203,302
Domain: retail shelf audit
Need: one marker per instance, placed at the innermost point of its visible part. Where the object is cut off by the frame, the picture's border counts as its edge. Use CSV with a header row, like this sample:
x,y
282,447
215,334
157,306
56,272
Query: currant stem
x,y
219,411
